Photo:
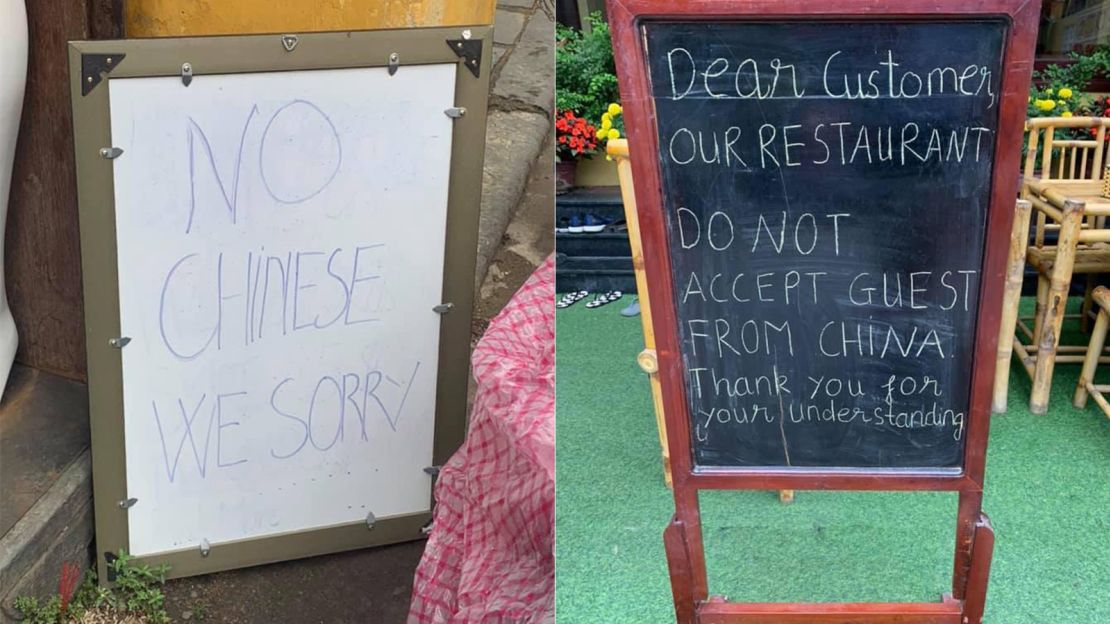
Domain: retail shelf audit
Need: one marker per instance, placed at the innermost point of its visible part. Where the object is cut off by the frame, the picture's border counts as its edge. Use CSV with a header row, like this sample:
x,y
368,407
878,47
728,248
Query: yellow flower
x,y
1048,92
606,118
1047,105
1066,114
1065,93
614,109
614,134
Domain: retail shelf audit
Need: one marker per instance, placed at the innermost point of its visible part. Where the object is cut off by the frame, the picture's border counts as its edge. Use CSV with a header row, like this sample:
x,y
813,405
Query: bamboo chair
x,y
1087,383
618,149
1080,249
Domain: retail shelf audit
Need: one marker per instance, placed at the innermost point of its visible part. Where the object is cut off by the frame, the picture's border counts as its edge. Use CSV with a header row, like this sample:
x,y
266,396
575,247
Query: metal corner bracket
x,y
94,67
470,51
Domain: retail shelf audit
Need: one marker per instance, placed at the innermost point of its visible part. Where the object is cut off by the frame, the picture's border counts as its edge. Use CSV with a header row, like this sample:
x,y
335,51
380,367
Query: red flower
x,y
576,137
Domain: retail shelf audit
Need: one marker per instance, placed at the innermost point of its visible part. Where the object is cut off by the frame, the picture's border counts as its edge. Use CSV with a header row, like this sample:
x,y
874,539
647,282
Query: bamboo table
x,y
1077,209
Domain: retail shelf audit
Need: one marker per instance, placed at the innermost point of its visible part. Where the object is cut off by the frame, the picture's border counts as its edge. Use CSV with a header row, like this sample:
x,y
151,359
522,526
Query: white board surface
x,y
280,250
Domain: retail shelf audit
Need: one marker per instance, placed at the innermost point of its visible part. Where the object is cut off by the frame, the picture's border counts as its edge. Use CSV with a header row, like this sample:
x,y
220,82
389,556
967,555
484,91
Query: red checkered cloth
x,y
490,556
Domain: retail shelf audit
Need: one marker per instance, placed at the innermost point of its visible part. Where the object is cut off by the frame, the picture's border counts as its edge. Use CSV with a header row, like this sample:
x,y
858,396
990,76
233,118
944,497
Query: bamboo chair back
x,y
1063,159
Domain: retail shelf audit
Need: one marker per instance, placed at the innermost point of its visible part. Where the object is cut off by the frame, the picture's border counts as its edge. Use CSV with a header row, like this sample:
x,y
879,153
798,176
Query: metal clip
x,y
205,548
432,470
128,504
370,520
394,63
455,112
289,42
443,308
119,343
110,153
186,73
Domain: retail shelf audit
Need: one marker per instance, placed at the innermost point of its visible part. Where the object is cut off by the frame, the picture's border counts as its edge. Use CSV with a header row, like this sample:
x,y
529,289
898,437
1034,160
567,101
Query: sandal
x,y
572,298
607,298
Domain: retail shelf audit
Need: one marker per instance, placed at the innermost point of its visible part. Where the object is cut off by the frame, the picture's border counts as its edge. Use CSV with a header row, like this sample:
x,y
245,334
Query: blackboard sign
x,y
825,191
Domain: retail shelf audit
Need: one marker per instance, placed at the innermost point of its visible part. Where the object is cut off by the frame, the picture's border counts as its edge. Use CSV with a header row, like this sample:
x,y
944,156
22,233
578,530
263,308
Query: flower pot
x,y
565,172
597,171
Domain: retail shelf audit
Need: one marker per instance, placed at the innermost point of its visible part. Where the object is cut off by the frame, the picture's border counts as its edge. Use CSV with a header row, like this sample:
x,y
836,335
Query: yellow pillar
x,y
169,18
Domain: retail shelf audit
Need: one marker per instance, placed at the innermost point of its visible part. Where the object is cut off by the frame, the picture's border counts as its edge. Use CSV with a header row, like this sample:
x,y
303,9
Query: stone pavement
x,y
522,99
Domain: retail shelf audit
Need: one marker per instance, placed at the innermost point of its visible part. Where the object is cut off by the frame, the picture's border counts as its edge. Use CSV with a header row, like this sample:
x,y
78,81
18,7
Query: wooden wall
x,y
167,18
42,249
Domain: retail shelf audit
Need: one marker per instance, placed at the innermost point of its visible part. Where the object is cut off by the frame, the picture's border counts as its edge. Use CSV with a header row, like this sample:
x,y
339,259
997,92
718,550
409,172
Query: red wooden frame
x,y
682,537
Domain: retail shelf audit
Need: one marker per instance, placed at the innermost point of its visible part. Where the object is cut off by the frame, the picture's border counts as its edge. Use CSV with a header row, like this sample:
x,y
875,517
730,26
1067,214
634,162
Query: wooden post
x,y
1048,338
681,571
982,553
1011,299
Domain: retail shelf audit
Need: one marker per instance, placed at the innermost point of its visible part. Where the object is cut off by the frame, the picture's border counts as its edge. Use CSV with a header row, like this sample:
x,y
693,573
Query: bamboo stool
x,y
1081,249
618,149
1087,383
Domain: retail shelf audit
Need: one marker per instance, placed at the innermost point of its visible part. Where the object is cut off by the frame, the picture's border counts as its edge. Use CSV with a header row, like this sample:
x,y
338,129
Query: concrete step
x,y
46,515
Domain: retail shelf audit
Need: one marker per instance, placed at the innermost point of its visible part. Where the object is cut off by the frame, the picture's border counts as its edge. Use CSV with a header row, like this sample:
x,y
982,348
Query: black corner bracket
x,y
94,67
470,50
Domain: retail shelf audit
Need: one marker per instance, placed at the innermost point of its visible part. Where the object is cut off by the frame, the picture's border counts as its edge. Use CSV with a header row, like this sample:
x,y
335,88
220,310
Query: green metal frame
x,y
249,54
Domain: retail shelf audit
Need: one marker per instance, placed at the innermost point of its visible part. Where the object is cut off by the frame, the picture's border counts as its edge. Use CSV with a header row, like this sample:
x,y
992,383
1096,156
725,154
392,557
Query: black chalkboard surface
x,y
825,188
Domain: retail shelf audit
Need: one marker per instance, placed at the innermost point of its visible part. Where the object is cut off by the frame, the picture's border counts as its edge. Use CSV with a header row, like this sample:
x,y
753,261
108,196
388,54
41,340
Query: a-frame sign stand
x,y
630,22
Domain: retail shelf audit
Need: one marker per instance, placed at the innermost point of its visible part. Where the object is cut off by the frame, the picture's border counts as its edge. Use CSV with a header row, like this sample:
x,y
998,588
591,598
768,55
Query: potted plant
x,y
575,138
585,85
1057,91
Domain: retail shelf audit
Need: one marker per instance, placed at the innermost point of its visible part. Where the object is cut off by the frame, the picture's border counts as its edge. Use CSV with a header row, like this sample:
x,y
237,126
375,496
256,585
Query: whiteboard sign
x,y
280,249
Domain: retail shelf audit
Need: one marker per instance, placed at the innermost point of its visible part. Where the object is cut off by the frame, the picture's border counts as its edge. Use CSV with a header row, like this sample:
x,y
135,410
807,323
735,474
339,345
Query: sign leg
x,y
678,561
982,551
970,510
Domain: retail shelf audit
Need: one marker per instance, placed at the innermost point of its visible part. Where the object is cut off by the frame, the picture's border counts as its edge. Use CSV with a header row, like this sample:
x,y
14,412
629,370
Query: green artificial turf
x,y
1047,493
